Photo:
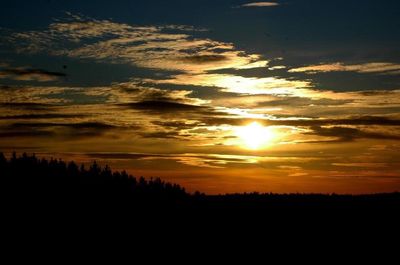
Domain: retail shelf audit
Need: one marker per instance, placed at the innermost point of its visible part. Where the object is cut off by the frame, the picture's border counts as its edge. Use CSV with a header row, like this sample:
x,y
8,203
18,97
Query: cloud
x,y
22,74
168,47
44,116
303,102
178,116
301,122
122,155
134,105
53,96
379,67
260,4
25,105
73,131
195,160
162,106
22,134
278,67
176,124
348,134
239,84
364,120
160,135
83,125
361,165
138,91
205,58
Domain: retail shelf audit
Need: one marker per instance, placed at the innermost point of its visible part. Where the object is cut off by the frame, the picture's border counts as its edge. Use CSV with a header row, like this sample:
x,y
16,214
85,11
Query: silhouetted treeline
x,y
28,178
51,205
31,181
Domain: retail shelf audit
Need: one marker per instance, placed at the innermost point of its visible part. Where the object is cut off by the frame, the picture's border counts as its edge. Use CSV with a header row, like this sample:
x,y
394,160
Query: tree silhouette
x,y
28,180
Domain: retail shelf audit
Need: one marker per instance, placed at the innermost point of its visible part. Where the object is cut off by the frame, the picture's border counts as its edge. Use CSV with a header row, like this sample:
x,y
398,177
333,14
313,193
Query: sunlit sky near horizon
x,y
219,96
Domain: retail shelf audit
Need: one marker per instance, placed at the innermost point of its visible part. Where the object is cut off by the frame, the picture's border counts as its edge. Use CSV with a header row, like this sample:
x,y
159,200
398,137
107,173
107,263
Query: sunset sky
x,y
217,95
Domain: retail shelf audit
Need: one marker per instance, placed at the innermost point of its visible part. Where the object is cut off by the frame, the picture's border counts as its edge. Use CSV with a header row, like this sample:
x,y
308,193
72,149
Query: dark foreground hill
x,y
36,184
56,210
63,204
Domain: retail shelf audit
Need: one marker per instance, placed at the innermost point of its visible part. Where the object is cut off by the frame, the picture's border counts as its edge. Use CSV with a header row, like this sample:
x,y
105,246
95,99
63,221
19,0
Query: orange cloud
x,y
261,4
380,67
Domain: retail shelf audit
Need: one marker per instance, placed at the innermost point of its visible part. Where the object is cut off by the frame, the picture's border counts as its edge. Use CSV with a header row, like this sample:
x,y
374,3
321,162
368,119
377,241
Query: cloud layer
x,y
26,74
261,4
380,67
169,47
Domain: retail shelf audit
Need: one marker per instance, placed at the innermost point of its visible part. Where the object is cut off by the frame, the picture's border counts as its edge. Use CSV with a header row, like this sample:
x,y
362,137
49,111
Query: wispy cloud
x,y
26,74
196,160
378,67
361,165
260,4
347,134
162,106
239,84
44,116
168,47
71,131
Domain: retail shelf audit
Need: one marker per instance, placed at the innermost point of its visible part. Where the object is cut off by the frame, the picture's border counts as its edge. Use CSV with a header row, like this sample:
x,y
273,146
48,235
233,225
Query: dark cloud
x,y
42,116
26,105
137,156
298,101
365,120
205,58
256,72
349,81
236,121
160,135
176,124
346,134
215,121
203,92
146,93
378,93
341,133
30,74
171,129
6,148
82,125
89,125
161,106
23,134
62,130
133,156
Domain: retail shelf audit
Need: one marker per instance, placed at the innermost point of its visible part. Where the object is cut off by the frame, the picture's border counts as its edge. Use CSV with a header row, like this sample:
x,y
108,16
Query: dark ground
x,y
52,192
56,211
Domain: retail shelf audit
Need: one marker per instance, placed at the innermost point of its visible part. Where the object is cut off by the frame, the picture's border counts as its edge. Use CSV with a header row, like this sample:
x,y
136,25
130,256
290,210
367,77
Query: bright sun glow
x,y
255,136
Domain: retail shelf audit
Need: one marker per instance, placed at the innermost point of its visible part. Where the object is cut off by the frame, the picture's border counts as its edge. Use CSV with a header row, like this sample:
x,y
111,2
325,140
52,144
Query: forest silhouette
x,y
33,184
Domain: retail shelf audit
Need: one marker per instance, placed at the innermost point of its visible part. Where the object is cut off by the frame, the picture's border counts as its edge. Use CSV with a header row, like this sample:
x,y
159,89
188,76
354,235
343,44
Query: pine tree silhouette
x,y
27,180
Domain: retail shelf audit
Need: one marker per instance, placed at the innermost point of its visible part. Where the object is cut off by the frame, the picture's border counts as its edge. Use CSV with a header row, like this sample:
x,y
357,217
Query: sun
x,y
254,136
